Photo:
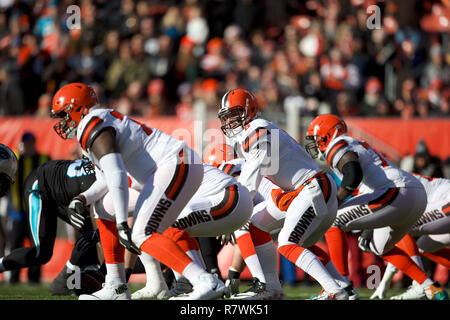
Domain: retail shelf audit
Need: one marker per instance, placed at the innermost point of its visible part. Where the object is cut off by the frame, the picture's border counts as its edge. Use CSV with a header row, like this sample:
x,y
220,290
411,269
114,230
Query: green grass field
x,y
41,292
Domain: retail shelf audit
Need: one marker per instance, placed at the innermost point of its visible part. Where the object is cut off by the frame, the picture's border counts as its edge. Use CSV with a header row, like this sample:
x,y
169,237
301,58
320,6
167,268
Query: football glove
x,y
87,240
364,240
78,213
125,238
227,238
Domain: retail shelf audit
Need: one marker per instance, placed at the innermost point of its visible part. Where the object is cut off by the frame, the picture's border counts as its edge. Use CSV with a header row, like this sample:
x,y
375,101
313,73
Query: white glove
x,y
380,292
389,273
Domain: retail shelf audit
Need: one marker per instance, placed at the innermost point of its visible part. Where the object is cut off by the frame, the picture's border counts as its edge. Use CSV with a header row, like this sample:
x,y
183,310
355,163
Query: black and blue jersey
x,y
62,180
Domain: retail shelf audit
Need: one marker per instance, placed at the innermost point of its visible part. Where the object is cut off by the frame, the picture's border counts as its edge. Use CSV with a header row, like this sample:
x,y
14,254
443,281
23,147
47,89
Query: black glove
x,y
78,213
87,240
364,240
125,238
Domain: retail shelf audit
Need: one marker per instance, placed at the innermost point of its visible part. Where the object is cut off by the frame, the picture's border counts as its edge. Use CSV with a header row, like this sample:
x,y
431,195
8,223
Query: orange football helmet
x,y
216,156
71,103
237,108
321,131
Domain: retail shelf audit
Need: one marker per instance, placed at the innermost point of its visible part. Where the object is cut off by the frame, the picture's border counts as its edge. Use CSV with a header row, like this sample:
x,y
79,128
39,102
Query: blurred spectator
x,y
44,106
11,94
210,94
183,109
425,163
108,50
435,68
136,96
29,159
85,67
373,98
124,70
196,26
156,93
345,105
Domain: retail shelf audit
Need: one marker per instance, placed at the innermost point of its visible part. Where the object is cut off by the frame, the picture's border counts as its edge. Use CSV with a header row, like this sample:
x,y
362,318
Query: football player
x,y
433,232
166,168
308,193
262,257
219,206
390,200
48,194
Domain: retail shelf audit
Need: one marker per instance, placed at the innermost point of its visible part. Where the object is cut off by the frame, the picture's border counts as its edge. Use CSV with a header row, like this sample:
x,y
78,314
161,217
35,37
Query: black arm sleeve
x,y
352,175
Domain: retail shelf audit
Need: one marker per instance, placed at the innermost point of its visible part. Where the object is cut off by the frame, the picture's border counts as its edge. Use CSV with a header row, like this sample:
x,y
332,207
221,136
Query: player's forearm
x,y
117,182
97,190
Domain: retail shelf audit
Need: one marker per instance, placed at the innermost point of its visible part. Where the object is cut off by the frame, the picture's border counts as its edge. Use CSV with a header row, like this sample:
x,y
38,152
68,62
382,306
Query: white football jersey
x,y
289,165
265,188
214,181
437,189
378,172
142,148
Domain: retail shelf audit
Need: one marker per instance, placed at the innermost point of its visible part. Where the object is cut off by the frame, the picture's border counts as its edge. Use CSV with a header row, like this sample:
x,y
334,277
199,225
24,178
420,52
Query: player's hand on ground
x,y
125,238
380,293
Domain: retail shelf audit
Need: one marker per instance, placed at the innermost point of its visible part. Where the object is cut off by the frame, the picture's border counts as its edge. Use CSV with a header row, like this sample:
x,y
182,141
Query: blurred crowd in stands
x,y
162,57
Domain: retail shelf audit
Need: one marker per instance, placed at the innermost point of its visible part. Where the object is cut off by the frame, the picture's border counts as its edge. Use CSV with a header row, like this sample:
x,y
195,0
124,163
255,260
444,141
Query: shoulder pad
x,y
338,145
90,132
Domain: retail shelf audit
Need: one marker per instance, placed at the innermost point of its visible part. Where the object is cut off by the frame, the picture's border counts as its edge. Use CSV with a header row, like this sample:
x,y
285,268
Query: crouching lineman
x,y
48,192
433,232
220,206
308,194
168,171
390,203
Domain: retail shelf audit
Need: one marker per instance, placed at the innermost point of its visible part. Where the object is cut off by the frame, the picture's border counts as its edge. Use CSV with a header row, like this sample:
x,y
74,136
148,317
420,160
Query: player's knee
x,y
43,256
291,251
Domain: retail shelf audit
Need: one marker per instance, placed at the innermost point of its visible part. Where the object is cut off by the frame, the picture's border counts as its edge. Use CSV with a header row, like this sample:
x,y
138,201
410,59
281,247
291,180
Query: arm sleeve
x,y
97,190
117,182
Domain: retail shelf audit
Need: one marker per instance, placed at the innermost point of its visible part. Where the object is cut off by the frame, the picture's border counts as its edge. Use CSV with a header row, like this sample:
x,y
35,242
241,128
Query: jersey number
x,y
76,169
